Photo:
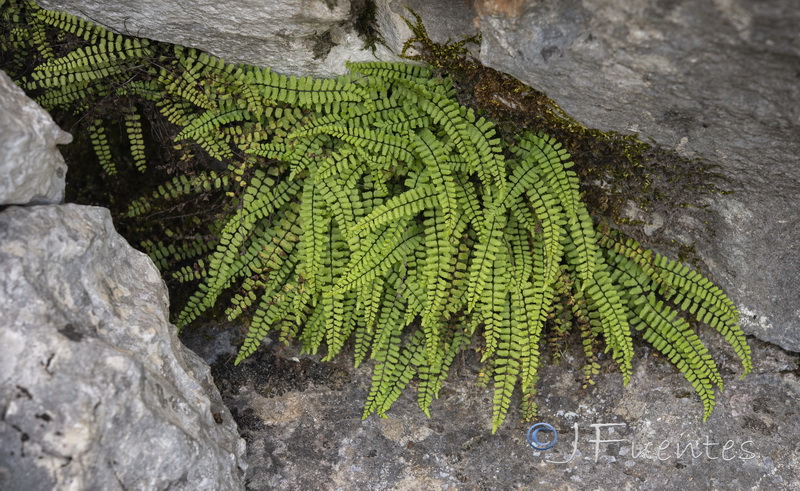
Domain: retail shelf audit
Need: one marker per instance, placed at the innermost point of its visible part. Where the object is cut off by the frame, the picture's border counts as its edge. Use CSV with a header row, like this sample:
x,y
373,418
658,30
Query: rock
x,y
716,80
96,391
295,37
31,168
302,420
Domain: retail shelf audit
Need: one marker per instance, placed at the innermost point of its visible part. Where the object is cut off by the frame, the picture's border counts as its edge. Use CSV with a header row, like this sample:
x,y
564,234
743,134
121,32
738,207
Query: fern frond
x,y
133,127
269,311
380,254
97,133
668,333
386,351
385,144
74,25
686,288
489,245
401,206
391,71
505,370
495,305
179,186
303,91
609,314
316,223
554,163
581,245
399,371
432,376
260,199
432,156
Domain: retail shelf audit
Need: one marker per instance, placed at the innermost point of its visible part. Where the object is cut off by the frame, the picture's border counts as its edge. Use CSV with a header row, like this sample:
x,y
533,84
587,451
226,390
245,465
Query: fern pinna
x,y
374,209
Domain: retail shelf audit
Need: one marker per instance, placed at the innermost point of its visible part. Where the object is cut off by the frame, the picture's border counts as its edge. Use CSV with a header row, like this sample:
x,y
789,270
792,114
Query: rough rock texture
x,y
719,80
96,391
302,420
31,168
297,37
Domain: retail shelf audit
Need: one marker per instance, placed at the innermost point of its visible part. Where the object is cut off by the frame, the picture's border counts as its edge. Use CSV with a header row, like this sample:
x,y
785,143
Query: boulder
x,y
96,391
31,168
715,80
295,37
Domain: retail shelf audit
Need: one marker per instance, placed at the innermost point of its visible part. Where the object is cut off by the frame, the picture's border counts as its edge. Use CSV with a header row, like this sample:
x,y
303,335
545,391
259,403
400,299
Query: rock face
x,y
96,391
302,420
31,168
296,37
717,80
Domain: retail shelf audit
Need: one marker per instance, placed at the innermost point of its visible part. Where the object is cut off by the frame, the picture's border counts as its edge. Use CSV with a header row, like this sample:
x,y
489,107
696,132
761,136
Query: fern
x,y
97,133
376,207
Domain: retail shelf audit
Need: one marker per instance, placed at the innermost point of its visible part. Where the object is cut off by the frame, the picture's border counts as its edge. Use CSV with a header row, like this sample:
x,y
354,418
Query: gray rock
x,y
302,420
31,168
296,37
96,391
717,80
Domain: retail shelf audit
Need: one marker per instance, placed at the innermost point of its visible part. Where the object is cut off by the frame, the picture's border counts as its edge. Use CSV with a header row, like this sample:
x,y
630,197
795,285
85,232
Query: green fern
x,y
376,208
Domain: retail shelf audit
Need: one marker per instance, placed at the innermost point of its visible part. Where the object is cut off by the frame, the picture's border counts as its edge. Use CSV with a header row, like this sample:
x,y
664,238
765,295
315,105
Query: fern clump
x,y
375,209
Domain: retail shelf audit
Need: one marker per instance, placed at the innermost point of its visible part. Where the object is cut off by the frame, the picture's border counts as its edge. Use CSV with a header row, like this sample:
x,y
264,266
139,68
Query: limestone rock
x,y
31,168
717,80
295,37
96,391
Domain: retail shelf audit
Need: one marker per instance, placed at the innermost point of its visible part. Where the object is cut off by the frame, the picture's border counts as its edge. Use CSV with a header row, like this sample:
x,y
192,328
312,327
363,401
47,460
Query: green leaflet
x,y
376,208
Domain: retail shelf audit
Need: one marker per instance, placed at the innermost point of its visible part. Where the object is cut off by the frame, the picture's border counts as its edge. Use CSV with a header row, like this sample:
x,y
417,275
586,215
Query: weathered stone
x,y
96,391
302,420
717,80
296,37
31,168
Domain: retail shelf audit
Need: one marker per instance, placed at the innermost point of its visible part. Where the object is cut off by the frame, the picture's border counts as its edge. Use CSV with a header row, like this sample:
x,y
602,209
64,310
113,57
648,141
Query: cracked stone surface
x,y
96,391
